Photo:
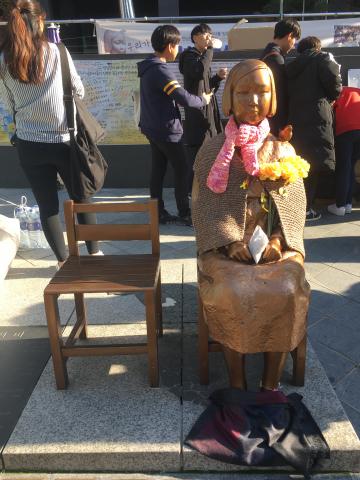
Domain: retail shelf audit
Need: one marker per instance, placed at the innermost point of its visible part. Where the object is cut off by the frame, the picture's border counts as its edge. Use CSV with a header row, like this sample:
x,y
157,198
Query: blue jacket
x,y
160,93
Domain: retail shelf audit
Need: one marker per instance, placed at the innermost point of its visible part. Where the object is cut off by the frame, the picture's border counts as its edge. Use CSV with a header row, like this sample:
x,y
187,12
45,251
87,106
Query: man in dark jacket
x,y
314,82
160,119
286,33
195,65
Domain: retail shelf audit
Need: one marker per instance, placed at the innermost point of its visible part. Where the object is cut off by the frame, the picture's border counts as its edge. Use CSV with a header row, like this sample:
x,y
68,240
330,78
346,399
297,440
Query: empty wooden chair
x,y
109,274
207,345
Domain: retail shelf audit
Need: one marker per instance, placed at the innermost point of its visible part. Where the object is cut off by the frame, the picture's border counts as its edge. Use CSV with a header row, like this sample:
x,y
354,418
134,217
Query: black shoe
x,y
184,220
312,215
165,218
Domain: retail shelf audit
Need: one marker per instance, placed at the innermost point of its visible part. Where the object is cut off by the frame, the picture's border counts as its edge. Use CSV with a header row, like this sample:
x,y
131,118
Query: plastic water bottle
x,y
24,233
34,228
42,239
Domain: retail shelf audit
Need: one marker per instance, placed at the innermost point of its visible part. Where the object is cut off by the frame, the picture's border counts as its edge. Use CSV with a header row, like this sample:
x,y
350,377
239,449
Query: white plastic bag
x,y
257,243
9,242
31,233
136,104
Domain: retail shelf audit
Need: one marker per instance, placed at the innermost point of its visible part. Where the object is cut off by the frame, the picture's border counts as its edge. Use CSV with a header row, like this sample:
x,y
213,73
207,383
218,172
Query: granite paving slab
x,y
172,291
113,308
330,332
330,245
340,282
354,416
348,311
21,294
24,352
325,299
348,389
178,476
109,419
349,264
318,396
314,316
312,269
336,365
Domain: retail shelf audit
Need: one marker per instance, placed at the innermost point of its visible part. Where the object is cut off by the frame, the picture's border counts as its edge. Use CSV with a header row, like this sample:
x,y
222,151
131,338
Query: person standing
x,y
31,85
347,148
286,33
195,65
160,120
314,82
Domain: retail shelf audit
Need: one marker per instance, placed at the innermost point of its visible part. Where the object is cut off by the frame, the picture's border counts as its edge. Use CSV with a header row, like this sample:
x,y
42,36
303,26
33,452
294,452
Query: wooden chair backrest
x,y
146,231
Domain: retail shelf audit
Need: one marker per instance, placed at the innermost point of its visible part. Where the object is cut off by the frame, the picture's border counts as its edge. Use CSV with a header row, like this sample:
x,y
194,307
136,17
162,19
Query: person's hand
x,y
207,97
239,251
285,134
222,73
272,251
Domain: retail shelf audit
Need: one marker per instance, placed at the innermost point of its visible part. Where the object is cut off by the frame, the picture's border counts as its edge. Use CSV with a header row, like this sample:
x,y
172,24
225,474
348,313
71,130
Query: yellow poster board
x,y
112,88
112,96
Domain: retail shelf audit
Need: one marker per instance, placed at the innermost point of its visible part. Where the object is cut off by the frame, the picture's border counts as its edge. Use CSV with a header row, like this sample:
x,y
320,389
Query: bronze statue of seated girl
x,y
245,178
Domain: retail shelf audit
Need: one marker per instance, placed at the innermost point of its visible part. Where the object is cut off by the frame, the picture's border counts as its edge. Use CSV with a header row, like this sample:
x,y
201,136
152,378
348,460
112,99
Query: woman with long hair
x,y
31,83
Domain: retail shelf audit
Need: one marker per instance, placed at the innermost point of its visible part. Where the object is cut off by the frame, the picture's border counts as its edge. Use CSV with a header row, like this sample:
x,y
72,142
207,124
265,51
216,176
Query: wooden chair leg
x,y
152,343
53,321
203,338
159,307
81,313
299,359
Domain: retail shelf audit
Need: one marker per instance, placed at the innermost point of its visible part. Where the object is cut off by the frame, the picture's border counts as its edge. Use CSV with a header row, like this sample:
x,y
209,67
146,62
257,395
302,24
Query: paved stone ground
x,y
191,476
333,254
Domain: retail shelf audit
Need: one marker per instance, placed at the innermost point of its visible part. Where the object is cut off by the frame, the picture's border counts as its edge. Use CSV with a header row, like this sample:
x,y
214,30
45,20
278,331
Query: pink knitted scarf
x,y
249,138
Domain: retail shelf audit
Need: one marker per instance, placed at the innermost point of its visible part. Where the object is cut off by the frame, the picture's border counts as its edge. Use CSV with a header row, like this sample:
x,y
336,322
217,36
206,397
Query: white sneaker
x,y
348,208
339,211
100,253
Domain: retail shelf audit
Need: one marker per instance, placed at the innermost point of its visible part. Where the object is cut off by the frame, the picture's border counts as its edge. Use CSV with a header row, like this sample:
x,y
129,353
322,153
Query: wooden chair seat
x,y
81,275
111,273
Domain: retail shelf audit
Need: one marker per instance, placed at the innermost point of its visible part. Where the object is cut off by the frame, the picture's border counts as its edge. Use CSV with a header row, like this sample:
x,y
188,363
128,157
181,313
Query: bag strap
x,y
270,54
67,87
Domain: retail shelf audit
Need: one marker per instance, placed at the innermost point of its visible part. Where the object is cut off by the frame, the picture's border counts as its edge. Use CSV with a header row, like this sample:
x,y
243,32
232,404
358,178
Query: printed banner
x,y
121,37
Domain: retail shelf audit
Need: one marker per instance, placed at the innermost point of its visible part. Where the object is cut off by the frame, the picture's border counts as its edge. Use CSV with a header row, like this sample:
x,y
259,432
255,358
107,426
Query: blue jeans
x,y
347,149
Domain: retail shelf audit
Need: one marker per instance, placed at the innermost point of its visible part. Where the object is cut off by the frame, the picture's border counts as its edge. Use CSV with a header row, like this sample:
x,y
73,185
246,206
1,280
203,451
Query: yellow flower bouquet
x,y
289,169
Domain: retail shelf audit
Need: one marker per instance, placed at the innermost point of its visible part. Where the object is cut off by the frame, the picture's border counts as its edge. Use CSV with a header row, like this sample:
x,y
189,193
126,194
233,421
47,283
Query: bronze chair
x,y
106,274
207,345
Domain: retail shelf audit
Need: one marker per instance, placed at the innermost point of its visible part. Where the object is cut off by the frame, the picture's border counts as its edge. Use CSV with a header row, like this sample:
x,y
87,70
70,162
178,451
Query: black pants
x,y
192,151
347,149
311,184
41,162
161,154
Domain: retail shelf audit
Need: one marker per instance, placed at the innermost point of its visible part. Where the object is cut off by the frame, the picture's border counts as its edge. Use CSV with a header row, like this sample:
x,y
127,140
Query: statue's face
x,y
251,97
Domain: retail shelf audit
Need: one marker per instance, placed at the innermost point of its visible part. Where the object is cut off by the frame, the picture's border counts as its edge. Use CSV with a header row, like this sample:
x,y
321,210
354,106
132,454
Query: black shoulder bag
x,y
88,166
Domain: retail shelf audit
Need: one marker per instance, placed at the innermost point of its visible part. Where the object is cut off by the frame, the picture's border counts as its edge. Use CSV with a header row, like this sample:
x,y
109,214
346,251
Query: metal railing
x,y
207,17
